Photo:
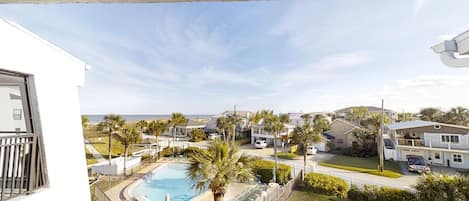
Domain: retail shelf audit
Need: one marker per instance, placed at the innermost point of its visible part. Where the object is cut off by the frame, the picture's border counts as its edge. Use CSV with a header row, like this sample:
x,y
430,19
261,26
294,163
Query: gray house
x,y
439,143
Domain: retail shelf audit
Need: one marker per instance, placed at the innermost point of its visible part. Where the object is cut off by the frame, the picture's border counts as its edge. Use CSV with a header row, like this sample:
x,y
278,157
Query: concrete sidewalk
x,y
94,152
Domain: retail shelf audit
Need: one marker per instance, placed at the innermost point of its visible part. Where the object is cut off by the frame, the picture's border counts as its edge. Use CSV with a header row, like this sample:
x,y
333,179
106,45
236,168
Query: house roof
x,y
370,109
420,123
346,122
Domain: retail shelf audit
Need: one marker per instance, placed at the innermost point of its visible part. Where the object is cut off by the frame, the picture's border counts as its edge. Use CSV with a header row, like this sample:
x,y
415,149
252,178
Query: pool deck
x,y
119,192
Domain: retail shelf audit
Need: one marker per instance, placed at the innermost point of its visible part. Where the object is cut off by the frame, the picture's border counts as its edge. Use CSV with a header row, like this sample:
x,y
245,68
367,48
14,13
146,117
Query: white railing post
x,y
413,143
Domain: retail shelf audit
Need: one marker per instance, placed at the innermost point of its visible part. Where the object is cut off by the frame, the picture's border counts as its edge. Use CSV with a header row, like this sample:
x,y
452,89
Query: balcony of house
x,y
411,142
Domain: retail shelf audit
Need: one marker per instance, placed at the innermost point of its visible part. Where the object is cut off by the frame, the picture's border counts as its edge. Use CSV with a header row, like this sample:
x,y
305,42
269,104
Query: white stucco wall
x,y
57,76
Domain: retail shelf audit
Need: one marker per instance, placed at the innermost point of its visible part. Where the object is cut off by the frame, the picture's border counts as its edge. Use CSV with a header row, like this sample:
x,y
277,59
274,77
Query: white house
x,y
242,124
439,144
258,132
42,153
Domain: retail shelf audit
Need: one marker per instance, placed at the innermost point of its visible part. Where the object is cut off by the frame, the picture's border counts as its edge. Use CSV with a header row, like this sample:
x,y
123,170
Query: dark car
x,y
417,164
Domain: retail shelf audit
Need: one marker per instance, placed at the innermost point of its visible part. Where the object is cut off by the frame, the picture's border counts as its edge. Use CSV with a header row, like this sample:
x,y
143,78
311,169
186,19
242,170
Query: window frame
x,y
461,158
38,175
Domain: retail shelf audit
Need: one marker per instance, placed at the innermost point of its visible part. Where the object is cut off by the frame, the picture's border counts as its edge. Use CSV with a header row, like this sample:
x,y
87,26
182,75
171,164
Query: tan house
x,y
341,131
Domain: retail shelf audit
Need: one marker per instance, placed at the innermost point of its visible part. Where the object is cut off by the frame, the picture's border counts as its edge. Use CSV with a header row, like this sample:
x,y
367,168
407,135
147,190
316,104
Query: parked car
x,y
213,136
310,150
260,144
417,164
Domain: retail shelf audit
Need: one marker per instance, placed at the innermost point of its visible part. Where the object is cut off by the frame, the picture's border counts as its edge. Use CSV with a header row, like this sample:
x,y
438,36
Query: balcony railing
x,y
21,166
411,142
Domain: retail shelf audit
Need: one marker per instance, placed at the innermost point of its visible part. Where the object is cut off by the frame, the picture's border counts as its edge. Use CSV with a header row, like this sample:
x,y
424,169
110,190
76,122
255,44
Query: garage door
x,y
405,152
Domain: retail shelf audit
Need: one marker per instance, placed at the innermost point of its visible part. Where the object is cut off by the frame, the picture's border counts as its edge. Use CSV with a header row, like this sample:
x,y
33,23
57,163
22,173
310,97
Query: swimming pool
x,y
172,179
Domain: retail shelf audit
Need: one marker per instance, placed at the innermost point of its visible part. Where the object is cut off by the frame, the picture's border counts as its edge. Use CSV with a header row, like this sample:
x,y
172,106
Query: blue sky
x,y
290,56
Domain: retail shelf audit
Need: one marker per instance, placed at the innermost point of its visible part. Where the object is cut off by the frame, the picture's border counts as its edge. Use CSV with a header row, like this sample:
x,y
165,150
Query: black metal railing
x,y
21,165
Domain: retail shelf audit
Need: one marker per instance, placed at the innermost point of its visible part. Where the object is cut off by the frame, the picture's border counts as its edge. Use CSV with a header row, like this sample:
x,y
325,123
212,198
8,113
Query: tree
x,y
431,114
142,125
176,120
84,121
406,116
255,119
222,124
458,115
197,135
111,124
217,167
274,125
130,135
366,140
232,122
156,128
357,114
306,135
321,123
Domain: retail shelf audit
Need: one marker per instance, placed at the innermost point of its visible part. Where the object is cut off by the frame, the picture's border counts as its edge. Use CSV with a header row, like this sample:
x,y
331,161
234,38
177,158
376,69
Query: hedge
x,y
284,155
374,193
325,184
264,169
294,149
168,151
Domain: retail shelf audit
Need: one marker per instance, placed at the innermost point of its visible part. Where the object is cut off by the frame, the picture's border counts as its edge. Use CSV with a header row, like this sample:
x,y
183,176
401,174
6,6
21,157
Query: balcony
x,y
411,142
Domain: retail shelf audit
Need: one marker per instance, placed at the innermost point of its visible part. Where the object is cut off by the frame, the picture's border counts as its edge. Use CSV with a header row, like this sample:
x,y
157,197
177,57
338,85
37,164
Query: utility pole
x,y
380,138
235,121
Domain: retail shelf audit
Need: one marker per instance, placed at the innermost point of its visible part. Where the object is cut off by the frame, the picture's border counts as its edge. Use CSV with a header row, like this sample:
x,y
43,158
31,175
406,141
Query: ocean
x,y
96,118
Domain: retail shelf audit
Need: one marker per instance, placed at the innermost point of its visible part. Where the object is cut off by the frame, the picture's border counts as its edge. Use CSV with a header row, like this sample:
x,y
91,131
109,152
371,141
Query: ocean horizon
x,y
96,118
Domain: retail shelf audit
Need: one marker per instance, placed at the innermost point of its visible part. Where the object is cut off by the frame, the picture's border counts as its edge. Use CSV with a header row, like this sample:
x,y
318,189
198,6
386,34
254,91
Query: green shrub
x,y
168,151
294,149
197,135
289,156
325,184
374,193
443,187
191,150
264,169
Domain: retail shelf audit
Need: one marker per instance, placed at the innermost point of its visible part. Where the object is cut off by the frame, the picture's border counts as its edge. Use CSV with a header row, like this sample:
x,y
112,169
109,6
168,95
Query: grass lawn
x,y
101,145
286,155
363,165
89,157
298,195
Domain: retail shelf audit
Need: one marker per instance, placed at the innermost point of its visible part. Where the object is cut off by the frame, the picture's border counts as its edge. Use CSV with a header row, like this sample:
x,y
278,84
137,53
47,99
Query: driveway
x,y
351,177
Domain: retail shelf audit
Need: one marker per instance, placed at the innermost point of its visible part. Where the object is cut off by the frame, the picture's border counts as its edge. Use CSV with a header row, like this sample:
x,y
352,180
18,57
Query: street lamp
x,y
450,51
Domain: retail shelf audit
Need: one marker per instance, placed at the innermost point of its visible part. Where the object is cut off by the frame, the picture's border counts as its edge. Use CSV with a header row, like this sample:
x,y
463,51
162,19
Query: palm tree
x,y
111,124
232,122
218,166
142,125
156,128
306,135
274,125
176,119
222,124
84,121
130,135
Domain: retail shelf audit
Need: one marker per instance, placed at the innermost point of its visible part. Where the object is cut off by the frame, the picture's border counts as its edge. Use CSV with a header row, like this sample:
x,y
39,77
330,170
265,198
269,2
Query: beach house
x,y
440,144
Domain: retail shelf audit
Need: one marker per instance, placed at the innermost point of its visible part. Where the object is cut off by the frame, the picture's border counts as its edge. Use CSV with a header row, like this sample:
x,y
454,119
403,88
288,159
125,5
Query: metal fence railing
x,y
21,165
273,192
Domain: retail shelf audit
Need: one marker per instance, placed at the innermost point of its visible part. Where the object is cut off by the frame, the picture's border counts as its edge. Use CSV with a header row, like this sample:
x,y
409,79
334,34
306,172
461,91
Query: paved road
x,y
356,178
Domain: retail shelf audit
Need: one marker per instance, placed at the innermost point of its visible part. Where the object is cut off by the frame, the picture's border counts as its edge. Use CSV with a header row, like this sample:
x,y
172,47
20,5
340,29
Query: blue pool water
x,y
171,179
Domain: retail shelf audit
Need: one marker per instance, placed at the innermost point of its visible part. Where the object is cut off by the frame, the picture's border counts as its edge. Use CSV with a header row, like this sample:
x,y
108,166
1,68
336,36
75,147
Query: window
x,y
22,163
457,158
437,126
450,138
17,114
437,156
